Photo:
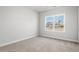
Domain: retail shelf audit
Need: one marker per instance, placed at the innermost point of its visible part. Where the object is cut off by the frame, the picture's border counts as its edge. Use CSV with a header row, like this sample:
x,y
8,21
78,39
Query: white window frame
x,y
54,22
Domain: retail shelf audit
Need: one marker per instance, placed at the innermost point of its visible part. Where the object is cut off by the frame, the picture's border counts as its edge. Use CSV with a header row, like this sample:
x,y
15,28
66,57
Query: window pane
x,y
49,23
59,23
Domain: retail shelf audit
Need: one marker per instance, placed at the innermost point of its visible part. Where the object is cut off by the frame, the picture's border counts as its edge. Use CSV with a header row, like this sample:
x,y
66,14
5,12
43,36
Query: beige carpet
x,y
40,44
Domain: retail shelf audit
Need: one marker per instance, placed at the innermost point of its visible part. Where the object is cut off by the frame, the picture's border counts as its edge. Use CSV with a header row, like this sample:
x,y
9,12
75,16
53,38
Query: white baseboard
x,y
60,38
11,42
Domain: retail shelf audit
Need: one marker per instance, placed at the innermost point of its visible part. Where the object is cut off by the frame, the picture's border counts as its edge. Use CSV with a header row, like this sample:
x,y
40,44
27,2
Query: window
x,y
55,23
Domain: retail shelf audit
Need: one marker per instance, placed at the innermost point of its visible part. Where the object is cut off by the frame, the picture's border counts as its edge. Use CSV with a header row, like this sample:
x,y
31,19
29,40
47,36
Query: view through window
x,y
55,23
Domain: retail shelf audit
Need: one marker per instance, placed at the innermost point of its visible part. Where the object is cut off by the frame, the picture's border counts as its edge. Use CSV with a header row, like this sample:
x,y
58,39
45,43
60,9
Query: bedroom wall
x,y
17,23
78,24
71,22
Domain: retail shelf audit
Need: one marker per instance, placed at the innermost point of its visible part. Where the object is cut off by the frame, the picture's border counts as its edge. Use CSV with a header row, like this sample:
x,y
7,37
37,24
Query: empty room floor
x,y
41,44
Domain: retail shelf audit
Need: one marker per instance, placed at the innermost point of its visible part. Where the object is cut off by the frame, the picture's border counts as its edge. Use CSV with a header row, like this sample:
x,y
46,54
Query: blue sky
x,y
51,18
60,18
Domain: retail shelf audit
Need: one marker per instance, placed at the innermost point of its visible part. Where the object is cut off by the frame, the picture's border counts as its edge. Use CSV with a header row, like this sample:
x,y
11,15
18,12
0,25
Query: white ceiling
x,y
41,8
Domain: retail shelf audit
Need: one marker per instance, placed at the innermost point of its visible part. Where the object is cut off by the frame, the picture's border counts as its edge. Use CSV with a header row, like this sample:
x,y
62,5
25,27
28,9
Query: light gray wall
x,y
78,24
70,23
17,23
